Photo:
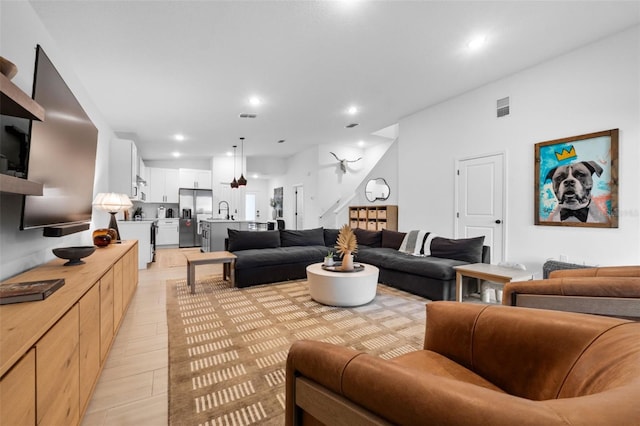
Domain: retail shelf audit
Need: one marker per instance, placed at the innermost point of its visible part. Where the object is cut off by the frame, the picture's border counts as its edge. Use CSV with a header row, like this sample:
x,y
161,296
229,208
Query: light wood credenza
x,y
52,351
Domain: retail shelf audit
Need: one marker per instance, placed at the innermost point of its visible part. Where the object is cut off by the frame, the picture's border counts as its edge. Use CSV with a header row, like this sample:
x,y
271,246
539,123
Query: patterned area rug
x,y
228,346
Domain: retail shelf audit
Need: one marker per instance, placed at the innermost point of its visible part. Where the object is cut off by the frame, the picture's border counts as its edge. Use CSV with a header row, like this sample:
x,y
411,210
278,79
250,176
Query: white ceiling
x,y
156,68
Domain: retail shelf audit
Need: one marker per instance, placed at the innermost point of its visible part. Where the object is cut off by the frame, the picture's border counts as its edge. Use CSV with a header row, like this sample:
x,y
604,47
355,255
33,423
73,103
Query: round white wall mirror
x,y
377,189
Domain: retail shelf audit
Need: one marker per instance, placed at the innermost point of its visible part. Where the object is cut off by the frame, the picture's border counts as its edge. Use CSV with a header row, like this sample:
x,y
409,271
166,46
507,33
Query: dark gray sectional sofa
x,y
274,256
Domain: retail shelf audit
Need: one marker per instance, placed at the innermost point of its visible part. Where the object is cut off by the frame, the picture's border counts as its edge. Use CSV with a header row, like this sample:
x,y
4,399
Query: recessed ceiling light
x,y
352,110
351,125
255,176
175,154
255,101
229,153
361,143
281,141
179,137
477,42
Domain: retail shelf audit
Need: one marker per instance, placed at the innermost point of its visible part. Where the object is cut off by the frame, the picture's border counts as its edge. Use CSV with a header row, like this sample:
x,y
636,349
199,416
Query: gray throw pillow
x,y
463,249
330,237
305,237
392,239
247,240
368,238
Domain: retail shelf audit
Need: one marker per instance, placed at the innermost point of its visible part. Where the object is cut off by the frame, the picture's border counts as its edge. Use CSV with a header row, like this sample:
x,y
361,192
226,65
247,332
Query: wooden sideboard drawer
x,y
18,392
58,372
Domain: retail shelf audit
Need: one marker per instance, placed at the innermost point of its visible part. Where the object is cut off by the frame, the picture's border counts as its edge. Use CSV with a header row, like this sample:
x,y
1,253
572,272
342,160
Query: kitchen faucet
x,y
225,208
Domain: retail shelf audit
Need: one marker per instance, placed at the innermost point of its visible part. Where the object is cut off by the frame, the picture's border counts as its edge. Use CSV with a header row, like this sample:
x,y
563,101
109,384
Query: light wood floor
x,y
132,389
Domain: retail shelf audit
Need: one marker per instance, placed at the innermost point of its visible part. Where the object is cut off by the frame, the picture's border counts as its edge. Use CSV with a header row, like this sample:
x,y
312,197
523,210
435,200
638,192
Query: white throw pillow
x,y
413,242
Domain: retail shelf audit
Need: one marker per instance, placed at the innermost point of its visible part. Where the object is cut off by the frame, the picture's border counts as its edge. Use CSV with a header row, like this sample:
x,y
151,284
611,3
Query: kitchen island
x,y
214,231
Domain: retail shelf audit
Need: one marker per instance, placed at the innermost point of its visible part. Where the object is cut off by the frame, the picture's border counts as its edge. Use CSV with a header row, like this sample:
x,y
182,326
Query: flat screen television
x,y
62,154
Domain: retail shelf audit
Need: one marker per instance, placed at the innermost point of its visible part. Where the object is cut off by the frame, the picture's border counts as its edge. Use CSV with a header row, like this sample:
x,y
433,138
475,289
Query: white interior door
x,y
250,206
299,212
480,202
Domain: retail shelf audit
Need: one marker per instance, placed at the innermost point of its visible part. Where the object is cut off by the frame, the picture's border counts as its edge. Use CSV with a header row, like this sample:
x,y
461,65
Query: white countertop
x,y
143,221
233,221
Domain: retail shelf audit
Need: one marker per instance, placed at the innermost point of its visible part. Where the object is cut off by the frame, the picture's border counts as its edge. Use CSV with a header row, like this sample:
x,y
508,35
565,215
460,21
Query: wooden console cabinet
x,y
52,351
374,218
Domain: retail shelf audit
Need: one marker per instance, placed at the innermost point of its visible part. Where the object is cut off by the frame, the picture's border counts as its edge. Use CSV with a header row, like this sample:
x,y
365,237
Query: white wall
x,y
590,89
302,169
20,32
333,184
325,186
381,161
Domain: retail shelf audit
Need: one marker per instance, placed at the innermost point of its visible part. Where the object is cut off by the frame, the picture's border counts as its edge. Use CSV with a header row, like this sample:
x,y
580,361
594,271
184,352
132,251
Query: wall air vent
x,y
502,107
248,115
349,126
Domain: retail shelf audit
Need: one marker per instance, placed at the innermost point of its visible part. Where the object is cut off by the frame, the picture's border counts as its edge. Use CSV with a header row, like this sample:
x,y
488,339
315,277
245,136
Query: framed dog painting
x,y
576,181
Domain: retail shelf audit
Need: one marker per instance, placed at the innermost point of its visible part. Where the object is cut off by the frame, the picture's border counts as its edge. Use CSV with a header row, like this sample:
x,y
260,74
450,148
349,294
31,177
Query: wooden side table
x,y
487,272
197,258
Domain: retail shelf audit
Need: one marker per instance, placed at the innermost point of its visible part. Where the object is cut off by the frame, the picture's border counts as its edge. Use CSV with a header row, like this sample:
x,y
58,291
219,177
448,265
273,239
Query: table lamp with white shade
x,y
112,203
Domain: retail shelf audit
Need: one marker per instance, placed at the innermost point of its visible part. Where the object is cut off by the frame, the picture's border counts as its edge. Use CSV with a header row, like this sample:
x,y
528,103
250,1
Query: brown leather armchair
x,y
481,365
611,291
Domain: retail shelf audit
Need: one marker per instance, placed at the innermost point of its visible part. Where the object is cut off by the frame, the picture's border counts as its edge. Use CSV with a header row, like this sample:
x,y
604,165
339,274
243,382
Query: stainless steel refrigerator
x,y
195,205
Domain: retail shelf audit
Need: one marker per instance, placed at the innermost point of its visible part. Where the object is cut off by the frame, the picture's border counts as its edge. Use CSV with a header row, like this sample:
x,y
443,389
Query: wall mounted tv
x,y
62,156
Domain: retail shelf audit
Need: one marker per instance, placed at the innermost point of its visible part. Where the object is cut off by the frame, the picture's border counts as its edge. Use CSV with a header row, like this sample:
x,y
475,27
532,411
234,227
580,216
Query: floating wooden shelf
x,y
14,185
16,103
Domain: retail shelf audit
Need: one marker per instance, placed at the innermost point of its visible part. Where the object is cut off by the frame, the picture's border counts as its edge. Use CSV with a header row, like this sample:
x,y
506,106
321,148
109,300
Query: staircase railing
x,y
328,218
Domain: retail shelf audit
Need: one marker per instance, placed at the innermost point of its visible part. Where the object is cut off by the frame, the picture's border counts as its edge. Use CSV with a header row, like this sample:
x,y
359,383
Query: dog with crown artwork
x,y
577,181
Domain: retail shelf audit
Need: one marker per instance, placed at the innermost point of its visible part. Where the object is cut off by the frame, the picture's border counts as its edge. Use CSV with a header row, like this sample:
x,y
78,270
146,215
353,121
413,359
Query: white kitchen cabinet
x,y
168,232
194,178
123,168
143,185
162,185
142,169
138,230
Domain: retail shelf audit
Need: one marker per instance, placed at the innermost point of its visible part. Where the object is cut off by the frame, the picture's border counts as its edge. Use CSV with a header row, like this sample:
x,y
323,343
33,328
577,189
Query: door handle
x,y
498,221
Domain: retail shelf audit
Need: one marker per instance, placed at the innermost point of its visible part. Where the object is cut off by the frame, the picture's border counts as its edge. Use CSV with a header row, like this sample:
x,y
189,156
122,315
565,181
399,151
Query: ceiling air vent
x,y
248,115
503,107
349,126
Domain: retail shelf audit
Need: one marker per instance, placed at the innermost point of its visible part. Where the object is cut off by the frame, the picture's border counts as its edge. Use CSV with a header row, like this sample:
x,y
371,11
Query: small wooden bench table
x,y
224,257
487,272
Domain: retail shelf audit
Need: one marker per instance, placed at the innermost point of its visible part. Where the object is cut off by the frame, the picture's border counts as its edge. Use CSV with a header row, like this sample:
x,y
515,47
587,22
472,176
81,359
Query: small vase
x,y
347,261
328,261
101,237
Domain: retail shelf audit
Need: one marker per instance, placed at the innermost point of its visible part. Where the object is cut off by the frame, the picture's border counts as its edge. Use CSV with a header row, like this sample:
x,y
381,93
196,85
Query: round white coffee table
x,y
342,288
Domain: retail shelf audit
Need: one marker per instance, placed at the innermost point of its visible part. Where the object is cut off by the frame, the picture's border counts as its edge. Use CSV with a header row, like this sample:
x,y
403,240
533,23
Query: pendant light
x,y
234,182
242,181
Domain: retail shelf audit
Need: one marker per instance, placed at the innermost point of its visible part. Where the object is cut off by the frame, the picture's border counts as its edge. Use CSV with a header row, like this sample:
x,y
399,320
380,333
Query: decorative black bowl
x,y
74,254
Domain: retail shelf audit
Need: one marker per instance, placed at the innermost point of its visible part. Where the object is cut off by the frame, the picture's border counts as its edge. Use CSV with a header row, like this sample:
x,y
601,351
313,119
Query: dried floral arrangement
x,y
347,242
